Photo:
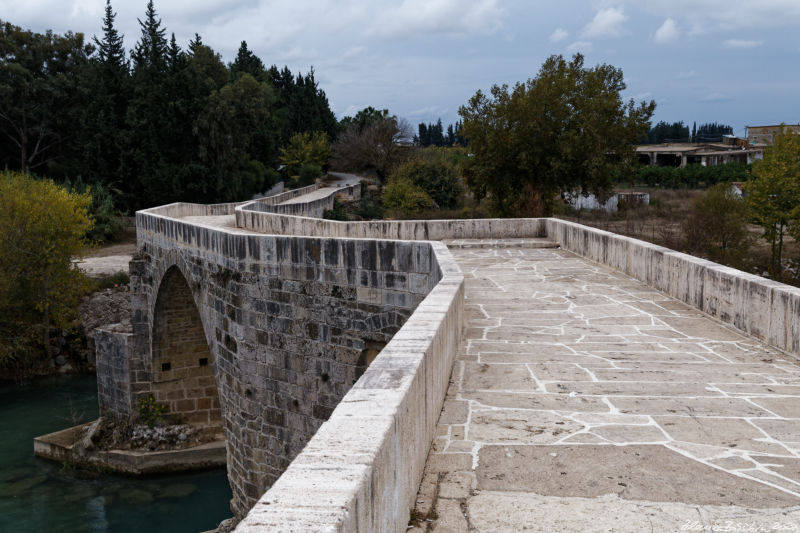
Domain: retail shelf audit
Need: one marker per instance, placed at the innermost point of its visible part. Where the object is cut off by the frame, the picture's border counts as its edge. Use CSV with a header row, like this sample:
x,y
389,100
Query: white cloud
x,y
707,16
667,32
440,16
741,44
559,35
580,46
606,23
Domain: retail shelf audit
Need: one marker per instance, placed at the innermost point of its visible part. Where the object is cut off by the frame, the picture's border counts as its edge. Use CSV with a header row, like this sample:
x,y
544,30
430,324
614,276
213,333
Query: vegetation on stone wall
x,y
42,228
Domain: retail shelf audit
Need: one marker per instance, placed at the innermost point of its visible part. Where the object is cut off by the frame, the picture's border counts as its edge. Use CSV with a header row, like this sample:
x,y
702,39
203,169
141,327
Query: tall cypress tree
x,y
247,62
146,164
110,49
107,84
151,50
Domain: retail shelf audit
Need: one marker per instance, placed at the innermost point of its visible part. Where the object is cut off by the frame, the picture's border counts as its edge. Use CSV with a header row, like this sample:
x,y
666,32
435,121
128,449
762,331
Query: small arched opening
x,y
183,365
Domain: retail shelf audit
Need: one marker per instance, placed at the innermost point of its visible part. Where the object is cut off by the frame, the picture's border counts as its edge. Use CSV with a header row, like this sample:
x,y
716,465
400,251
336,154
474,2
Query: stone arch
x,y
182,362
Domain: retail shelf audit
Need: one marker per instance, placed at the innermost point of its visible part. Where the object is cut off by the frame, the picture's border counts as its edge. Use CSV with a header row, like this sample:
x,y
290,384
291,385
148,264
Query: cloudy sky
x,y
732,61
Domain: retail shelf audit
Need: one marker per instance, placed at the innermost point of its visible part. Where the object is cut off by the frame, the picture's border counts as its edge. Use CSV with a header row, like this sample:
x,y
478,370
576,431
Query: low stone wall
x,y
765,309
288,195
248,217
313,208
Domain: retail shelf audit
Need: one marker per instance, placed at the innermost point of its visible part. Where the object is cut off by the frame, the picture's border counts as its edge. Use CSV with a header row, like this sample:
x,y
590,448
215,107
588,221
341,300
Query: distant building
x,y
731,149
766,134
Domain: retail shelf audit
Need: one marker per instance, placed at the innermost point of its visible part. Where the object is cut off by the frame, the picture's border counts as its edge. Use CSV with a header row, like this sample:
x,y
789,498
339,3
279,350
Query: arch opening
x,y
183,364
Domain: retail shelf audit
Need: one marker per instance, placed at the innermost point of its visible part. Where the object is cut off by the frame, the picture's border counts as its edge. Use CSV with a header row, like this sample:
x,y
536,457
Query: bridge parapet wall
x,y
312,208
250,217
765,309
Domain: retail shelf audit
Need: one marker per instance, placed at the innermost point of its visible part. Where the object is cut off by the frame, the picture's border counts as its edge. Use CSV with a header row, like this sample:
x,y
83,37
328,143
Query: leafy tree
x,y
437,178
39,76
306,148
717,225
367,116
405,198
42,227
566,129
224,131
376,147
773,197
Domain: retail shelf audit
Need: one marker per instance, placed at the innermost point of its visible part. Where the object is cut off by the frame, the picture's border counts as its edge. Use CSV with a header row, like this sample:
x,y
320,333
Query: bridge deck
x,y
583,400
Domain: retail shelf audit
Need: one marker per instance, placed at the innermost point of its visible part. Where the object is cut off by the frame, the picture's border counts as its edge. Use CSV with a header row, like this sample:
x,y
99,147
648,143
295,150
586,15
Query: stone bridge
x,y
590,370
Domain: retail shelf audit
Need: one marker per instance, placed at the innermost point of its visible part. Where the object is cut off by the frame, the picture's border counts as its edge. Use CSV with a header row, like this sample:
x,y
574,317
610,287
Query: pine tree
x,y
110,50
106,83
151,50
247,61
424,136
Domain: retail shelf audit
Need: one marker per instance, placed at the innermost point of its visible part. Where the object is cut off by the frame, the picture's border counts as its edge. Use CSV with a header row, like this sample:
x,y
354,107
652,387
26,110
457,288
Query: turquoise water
x,y
41,496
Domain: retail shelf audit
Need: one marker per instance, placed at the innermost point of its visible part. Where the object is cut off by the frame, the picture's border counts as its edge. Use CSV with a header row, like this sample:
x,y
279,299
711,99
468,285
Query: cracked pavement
x,y
584,400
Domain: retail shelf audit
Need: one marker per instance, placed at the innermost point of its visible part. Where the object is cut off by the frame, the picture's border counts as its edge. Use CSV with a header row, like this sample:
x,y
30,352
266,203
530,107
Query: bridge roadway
x,y
584,400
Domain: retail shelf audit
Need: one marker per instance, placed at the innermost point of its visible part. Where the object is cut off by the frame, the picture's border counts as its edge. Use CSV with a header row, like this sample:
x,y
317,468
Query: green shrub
x,y
108,225
370,208
43,227
691,176
717,225
309,172
405,198
150,411
436,177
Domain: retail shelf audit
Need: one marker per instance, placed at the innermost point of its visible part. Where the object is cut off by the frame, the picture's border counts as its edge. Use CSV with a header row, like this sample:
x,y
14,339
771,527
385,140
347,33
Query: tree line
x,y
665,132
156,125
435,135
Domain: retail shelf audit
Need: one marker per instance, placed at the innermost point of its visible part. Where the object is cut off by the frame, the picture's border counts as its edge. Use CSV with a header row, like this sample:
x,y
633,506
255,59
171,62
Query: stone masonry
x,y
286,325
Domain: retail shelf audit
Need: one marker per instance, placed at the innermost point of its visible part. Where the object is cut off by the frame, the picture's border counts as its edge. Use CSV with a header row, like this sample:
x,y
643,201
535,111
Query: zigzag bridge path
x,y
484,375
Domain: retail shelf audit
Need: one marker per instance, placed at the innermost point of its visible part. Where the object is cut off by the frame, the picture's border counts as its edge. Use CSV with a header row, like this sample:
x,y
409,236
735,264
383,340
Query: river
x,y
42,496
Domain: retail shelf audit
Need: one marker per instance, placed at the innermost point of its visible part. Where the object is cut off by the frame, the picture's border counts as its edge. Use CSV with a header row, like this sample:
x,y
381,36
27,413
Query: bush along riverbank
x,y
71,350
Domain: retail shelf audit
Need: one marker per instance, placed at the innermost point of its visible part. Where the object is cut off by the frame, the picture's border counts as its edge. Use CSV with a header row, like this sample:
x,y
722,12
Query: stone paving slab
x,y
583,400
